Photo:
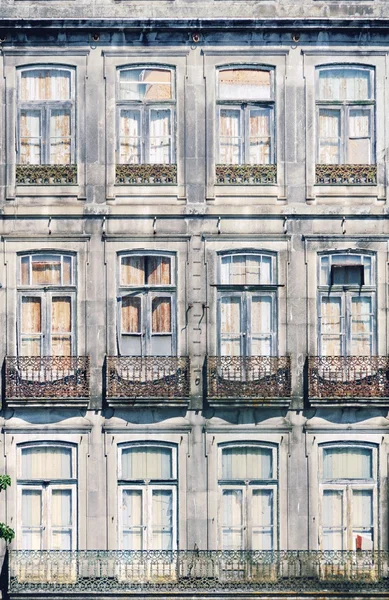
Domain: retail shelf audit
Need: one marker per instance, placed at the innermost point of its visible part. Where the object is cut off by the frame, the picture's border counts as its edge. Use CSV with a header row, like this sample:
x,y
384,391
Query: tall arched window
x,y
148,497
346,115
146,115
47,482
245,106
46,119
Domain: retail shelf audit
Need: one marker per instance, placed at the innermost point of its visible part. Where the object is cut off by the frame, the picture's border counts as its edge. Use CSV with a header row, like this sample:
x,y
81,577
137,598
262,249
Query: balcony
x,y
157,380
248,380
198,573
246,174
47,380
46,174
346,174
146,174
348,380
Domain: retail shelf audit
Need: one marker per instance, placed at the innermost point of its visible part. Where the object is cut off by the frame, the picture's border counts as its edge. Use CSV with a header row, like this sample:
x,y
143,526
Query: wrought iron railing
x,y
150,174
46,377
246,174
46,174
34,571
148,377
240,377
346,174
348,377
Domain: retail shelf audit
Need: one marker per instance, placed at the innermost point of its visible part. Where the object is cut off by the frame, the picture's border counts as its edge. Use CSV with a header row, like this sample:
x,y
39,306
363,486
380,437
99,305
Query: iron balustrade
x,y
46,377
196,571
253,377
348,377
346,174
147,377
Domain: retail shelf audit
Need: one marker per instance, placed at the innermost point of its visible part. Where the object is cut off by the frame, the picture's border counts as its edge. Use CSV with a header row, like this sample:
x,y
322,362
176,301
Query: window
x,y
47,497
245,106
46,116
346,115
248,498
347,324
47,294
148,497
247,305
146,116
348,497
147,305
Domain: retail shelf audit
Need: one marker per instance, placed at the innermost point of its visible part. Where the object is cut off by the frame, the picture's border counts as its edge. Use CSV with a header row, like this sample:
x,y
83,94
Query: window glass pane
x,y
61,520
232,520
230,325
132,270
331,338
345,84
247,462
45,84
132,520
161,321
46,462
158,270
230,137
347,463
260,144
240,269
46,269
324,271
262,516
332,518
253,269
359,145
25,270
244,84
30,137
131,314
347,275
130,137
361,326
160,136
362,511
67,270
152,85
329,136
31,519
31,326
61,326
162,519
261,325
145,462
60,132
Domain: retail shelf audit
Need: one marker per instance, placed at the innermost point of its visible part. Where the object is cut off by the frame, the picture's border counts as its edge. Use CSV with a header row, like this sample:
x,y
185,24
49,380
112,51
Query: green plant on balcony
x,y
6,533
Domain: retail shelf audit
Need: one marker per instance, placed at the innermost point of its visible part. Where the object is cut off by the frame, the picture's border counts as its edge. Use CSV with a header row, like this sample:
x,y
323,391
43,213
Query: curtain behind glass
x,y
130,137
132,520
262,520
361,325
230,136
61,519
232,519
30,137
242,463
345,84
260,138
31,326
60,140
31,520
46,462
162,519
147,463
61,326
160,150
261,325
45,84
331,338
332,519
347,463
329,136
230,326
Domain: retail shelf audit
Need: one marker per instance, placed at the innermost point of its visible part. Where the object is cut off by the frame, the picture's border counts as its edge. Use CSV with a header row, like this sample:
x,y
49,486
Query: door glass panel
x,y
31,326
329,136
230,137
32,519
331,339
359,142
362,510
332,519
60,131
261,325
161,315
61,326
232,519
162,519
131,314
262,518
160,136
132,520
260,127
361,326
61,519
130,137
145,462
230,316
247,462
347,463
45,84
30,137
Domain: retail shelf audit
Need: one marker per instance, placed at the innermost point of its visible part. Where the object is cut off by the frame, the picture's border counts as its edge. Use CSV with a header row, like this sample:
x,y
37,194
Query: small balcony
x,y
46,174
346,174
212,573
348,380
246,174
248,380
156,380
47,380
146,174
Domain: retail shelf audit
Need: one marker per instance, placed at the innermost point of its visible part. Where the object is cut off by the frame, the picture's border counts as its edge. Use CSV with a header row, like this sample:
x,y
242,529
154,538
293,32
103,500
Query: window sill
x,y
340,175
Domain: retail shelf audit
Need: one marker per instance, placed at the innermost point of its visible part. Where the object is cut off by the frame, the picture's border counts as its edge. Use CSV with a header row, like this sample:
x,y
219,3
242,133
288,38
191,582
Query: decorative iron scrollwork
x,y
348,377
192,571
46,377
346,174
246,174
253,377
146,174
137,377
46,174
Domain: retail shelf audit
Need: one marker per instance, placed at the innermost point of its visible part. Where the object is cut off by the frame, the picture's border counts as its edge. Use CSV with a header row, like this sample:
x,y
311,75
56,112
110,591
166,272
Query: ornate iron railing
x,y
348,377
146,174
246,174
34,571
346,174
248,377
148,377
46,174
46,377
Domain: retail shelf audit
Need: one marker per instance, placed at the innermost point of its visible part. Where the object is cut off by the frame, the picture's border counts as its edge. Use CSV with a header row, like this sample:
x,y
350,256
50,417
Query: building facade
x,y
194,298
